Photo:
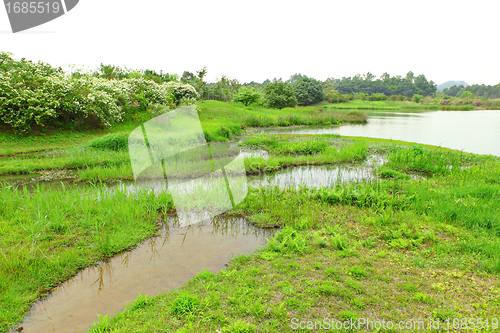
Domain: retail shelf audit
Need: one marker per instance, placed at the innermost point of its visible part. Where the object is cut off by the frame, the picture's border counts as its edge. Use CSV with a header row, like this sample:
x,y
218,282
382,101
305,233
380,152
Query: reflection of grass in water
x,y
226,226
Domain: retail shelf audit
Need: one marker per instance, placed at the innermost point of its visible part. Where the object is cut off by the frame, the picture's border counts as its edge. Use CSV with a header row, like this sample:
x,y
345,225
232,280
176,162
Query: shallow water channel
x,y
170,260
158,265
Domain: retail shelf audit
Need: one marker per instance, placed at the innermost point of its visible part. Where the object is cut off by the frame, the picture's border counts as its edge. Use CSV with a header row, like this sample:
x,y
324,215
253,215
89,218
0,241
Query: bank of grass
x,y
343,251
392,105
220,121
53,139
106,158
47,236
284,151
395,250
293,150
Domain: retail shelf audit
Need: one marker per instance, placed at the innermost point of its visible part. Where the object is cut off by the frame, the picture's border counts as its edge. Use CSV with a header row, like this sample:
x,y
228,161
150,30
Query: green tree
x,y
279,95
200,76
308,90
110,72
294,78
467,94
247,96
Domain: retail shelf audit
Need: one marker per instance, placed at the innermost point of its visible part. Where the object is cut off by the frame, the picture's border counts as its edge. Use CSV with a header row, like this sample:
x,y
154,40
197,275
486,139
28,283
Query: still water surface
x,y
471,131
157,265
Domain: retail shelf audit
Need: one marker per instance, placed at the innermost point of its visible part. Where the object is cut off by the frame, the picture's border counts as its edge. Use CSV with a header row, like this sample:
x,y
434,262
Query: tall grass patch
x,y
48,235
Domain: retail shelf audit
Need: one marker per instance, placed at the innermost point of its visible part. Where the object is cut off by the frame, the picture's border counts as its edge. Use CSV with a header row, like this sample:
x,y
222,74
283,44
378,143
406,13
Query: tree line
x,y
479,90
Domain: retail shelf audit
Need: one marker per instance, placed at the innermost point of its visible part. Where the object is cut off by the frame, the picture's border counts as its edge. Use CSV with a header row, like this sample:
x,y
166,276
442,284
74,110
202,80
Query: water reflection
x,y
320,175
158,265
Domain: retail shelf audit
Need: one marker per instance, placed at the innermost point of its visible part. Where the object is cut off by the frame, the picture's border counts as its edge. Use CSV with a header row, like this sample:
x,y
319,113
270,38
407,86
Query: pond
x,y
471,131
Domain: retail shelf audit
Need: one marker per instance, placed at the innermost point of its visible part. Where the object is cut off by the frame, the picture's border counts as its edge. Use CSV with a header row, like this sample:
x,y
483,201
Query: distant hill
x,y
448,84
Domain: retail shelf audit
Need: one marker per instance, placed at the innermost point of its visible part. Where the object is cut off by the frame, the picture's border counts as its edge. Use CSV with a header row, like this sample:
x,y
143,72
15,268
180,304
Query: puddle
x,y
156,266
319,175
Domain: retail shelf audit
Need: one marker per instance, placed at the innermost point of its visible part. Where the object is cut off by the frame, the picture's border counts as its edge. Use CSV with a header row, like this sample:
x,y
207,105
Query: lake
x,y
471,131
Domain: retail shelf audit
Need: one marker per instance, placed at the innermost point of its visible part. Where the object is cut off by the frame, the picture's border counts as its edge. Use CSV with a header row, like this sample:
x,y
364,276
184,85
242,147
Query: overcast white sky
x,y
255,40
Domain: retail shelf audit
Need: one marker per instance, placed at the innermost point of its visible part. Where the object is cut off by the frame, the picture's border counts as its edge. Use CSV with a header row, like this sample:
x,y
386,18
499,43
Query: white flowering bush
x,y
183,93
37,94
21,107
87,98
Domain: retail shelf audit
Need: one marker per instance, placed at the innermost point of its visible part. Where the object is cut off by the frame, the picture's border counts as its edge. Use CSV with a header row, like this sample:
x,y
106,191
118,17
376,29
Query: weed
x,y
287,240
140,302
185,304
357,272
239,326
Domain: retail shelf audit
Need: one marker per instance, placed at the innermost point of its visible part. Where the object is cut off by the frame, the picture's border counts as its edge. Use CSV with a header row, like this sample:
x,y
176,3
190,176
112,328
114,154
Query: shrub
x,y
417,98
360,96
308,90
183,93
38,95
377,97
398,98
247,96
279,95
336,97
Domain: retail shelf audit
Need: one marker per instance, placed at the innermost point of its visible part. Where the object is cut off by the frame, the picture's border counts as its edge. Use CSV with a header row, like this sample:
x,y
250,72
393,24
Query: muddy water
x,y
158,265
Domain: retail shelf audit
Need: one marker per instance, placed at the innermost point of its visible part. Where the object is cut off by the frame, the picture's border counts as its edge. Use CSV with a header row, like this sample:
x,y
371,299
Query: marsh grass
x,y
69,149
429,161
393,105
214,115
48,235
299,150
439,234
70,158
334,261
114,141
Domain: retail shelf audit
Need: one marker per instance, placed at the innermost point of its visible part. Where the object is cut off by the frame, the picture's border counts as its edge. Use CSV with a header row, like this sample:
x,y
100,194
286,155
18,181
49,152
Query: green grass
x,y
104,149
341,253
48,235
51,139
371,251
294,150
106,158
391,105
234,117
220,121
